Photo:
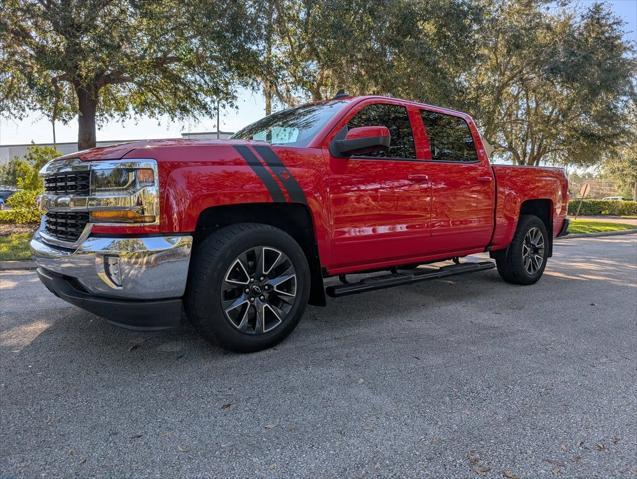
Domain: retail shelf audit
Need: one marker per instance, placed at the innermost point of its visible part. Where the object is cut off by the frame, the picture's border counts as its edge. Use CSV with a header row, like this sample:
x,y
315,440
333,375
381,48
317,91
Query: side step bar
x,y
396,279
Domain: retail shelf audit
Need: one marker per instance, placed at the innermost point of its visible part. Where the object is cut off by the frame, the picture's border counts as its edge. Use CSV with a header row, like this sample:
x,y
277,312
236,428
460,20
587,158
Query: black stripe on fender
x,y
258,168
282,173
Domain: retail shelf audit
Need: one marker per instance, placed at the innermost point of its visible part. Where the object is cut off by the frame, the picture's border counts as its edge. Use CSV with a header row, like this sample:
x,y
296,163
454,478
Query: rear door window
x,y
396,119
450,138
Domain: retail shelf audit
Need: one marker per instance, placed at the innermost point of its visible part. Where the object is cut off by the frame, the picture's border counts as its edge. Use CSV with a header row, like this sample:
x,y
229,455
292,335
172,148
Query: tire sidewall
x,y
208,310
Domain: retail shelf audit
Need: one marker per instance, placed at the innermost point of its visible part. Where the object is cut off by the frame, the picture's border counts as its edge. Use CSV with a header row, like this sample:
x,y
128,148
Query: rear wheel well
x,y
293,218
542,209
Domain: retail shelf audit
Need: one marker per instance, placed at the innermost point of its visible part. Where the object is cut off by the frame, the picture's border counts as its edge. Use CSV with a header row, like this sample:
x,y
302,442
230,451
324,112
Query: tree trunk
x,y
267,92
635,191
267,84
87,106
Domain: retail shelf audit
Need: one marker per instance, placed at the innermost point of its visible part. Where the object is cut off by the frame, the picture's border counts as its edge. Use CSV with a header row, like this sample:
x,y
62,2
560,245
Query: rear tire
x,y
248,287
525,259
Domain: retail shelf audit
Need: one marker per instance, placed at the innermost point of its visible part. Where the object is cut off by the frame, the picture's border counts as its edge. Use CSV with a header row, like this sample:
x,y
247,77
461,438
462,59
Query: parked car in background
x,y
613,198
5,193
242,234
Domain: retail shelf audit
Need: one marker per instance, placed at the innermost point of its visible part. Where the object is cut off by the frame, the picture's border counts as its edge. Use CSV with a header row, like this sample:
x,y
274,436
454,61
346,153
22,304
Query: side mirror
x,y
361,139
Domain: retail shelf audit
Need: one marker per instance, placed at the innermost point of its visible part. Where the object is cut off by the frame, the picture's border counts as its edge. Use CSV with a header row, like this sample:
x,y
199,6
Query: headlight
x,y
125,191
121,179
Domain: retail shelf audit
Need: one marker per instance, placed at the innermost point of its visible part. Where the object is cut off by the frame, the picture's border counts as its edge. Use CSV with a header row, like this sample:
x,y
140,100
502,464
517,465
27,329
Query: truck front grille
x,y
65,226
68,183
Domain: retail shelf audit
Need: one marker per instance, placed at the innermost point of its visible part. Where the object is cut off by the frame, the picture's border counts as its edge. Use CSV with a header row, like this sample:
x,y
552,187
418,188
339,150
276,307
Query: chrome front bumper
x,y
128,268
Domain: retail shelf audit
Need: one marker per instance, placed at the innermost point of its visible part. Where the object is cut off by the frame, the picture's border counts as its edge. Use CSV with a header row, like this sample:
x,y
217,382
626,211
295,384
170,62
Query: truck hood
x,y
120,150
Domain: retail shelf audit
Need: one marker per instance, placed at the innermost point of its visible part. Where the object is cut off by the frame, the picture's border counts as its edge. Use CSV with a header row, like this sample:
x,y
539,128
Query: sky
x,y
250,107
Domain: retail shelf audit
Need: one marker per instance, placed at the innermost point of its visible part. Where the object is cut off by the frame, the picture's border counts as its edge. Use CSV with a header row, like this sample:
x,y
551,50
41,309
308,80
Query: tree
x,y
621,166
415,48
551,87
100,59
623,169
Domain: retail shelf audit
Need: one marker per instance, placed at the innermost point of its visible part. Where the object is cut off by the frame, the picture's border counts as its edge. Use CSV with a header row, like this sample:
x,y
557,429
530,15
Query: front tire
x,y
525,259
248,287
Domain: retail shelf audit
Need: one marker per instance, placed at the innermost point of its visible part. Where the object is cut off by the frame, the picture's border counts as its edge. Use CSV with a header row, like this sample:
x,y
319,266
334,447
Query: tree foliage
x,y
113,58
546,81
551,86
415,48
622,165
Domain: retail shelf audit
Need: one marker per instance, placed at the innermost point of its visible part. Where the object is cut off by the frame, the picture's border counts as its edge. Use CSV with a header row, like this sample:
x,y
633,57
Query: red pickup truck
x,y
239,235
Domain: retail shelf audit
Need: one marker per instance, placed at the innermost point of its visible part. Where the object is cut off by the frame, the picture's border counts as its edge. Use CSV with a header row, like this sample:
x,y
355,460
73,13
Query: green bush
x,y
603,207
24,172
6,216
23,206
19,217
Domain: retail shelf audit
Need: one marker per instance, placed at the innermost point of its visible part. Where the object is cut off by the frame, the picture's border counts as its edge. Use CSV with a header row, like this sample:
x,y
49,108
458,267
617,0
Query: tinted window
x,y
293,127
449,137
396,119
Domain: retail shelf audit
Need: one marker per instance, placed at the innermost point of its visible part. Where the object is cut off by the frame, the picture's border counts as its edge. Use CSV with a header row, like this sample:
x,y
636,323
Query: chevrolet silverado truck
x,y
328,199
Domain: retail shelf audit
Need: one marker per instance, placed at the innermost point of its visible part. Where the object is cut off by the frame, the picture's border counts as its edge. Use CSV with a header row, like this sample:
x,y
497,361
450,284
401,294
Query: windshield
x,y
293,127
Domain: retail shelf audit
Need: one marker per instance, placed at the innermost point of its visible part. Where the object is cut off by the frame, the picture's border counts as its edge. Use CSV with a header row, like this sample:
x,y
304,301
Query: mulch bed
x,y
8,229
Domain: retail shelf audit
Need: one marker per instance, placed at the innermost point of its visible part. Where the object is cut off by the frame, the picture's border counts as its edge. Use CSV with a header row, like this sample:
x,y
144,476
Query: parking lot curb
x,y
7,265
601,233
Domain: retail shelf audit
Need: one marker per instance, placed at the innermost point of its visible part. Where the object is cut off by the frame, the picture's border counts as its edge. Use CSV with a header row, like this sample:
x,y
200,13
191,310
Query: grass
x,y
15,247
586,226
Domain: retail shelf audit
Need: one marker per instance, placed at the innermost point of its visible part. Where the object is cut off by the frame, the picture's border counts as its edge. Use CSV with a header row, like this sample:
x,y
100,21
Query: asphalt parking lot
x,y
458,378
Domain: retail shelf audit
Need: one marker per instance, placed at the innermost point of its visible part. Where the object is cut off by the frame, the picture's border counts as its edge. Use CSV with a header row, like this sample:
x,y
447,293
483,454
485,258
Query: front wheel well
x,y
293,218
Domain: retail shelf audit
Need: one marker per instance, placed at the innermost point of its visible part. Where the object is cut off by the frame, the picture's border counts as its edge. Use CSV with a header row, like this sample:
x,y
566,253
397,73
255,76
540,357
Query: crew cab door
x,y
462,183
379,201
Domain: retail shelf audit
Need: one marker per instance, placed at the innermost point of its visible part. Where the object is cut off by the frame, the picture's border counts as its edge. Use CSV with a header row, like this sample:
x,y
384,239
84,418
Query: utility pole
x,y
218,135
54,113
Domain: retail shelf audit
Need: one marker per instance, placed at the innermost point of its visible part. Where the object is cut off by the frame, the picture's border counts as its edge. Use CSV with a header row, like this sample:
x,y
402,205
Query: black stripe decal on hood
x,y
282,173
258,168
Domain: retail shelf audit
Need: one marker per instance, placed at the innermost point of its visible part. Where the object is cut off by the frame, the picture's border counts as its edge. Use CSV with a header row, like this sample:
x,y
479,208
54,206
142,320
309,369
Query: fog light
x,y
112,269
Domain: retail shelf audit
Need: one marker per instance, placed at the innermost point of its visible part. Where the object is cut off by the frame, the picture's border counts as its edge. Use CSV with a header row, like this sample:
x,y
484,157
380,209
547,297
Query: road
x,y
461,378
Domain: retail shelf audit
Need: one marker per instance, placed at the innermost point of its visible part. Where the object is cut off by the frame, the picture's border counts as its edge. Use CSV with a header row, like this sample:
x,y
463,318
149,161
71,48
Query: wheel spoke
x,y
527,265
259,327
237,267
278,257
243,324
276,314
279,281
235,303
